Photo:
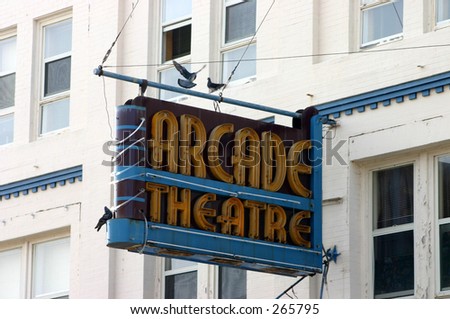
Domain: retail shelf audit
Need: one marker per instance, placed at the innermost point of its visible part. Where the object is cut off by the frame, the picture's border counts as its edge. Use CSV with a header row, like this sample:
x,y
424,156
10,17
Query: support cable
x,y
291,287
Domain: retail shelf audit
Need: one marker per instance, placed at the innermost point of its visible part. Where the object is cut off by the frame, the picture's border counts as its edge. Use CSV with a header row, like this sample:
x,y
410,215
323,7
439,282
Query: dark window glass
x,y
394,265
232,283
177,43
444,187
181,286
240,21
393,196
7,90
57,76
444,238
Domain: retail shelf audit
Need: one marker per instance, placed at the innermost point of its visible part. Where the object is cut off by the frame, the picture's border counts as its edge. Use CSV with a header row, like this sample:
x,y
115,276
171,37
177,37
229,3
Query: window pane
x,y
55,116
58,38
181,286
175,9
57,76
444,186
394,265
444,239
442,10
247,67
393,196
8,55
177,43
6,129
51,266
7,90
382,21
10,267
240,21
232,283
173,263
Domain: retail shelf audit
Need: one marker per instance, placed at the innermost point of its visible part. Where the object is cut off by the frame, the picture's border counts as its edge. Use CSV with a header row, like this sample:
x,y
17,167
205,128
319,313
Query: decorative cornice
x,y
41,182
384,97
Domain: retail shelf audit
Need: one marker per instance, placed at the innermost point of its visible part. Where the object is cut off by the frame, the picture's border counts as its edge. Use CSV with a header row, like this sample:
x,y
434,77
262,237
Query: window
x,y
442,11
444,221
48,276
10,268
170,76
57,47
239,27
180,279
381,21
232,283
176,29
393,217
7,88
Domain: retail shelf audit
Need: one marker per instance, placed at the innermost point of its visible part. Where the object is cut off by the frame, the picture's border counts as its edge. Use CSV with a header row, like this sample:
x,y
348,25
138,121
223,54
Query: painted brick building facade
x,y
386,176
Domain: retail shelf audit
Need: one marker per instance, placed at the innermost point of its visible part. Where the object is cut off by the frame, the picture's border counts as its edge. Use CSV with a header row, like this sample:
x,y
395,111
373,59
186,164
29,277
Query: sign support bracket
x,y
144,83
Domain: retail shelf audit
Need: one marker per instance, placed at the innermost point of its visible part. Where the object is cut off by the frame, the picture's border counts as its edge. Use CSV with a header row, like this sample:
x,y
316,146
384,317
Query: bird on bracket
x,y
214,86
106,216
188,82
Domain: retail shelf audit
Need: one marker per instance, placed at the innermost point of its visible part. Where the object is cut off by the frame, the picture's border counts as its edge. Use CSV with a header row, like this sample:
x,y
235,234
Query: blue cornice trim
x,y
41,182
384,97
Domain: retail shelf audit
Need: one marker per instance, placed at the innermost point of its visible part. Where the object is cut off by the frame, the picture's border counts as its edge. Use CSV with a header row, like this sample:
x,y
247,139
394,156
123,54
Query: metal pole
x,y
100,72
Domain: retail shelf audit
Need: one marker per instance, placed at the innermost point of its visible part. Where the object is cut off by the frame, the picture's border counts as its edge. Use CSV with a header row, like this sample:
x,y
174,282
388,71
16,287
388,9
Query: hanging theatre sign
x,y
218,189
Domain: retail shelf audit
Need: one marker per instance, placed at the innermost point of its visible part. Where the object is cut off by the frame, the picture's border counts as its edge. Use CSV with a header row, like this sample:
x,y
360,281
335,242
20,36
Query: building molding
x,y
41,182
384,97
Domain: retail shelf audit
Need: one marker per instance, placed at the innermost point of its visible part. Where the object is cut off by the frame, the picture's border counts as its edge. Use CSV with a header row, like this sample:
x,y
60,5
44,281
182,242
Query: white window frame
x,y
167,65
9,111
393,37
177,271
441,23
181,21
22,267
60,96
234,45
439,222
391,229
27,254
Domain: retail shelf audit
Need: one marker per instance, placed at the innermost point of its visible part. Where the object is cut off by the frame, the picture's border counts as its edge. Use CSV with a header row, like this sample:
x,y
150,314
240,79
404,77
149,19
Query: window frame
x,y
178,271
9,110
390,230
27,260
236,44
380,41
439,222
22,267
167,65
170,25
439,23
59,96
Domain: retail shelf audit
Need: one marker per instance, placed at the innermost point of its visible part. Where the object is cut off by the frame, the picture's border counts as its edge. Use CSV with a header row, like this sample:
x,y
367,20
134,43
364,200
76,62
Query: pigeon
x,y
186,84
106,216
190,77
214,86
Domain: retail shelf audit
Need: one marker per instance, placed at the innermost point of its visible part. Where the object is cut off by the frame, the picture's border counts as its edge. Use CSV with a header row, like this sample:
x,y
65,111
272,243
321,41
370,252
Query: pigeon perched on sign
x,y
190,77
106,216
214,86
